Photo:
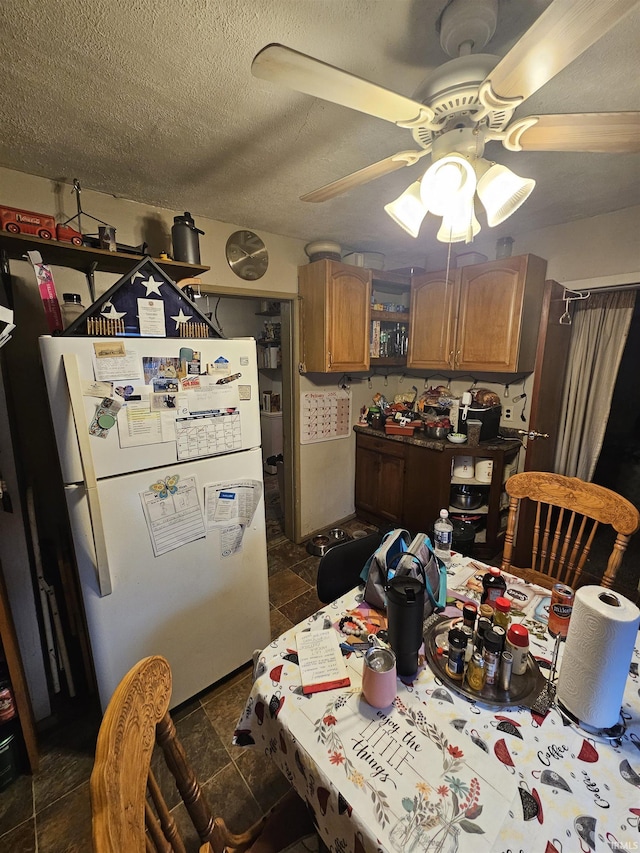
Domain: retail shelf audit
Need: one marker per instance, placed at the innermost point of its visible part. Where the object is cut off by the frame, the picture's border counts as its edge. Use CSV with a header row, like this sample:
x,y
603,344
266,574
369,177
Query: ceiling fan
x,y
467,102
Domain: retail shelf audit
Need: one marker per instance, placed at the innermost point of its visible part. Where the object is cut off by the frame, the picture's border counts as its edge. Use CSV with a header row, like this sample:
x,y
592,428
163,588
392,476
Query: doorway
x,y
270,322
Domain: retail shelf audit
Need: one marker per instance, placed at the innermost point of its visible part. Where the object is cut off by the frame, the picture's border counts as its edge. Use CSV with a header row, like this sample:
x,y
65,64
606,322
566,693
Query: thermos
x,y
405,615
184,236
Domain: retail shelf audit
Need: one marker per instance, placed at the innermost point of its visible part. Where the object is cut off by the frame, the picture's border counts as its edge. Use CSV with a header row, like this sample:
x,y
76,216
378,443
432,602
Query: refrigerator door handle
x,y
70,362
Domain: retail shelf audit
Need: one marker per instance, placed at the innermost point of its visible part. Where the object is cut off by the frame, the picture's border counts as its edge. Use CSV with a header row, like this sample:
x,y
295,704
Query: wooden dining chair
x,y
568,512
129,813
339,567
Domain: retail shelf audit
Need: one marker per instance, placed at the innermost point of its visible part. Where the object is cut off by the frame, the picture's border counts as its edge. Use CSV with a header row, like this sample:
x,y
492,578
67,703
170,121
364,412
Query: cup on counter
x,y
379,677
473,432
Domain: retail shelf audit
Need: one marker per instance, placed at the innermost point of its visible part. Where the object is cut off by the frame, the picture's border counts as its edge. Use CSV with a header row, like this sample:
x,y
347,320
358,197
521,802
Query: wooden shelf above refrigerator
x,y
83,258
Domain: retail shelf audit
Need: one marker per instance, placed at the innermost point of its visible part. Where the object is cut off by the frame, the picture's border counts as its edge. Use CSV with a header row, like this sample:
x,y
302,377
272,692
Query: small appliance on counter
x,y
482,405
490,419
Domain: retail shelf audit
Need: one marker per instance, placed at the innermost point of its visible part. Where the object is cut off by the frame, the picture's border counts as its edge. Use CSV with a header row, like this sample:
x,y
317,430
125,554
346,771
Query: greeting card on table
x,y
322,666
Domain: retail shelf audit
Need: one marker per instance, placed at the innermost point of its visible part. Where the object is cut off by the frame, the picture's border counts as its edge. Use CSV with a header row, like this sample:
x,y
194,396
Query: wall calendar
x,y
325,415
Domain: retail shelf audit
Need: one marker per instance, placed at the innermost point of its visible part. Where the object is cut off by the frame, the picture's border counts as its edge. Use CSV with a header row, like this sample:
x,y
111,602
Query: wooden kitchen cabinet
x,y
380,476
335,317
395,288
407,481
484,318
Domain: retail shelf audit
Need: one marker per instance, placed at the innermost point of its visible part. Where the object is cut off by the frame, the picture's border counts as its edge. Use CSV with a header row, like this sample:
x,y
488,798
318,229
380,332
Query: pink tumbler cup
x,y
379,677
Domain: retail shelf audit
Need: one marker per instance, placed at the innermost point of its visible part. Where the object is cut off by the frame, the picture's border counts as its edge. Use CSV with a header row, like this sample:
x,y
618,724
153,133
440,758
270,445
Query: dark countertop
x,y
506,442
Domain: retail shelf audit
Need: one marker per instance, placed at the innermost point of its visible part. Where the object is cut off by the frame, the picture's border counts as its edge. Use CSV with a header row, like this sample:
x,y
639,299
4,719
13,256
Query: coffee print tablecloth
x,y
437,772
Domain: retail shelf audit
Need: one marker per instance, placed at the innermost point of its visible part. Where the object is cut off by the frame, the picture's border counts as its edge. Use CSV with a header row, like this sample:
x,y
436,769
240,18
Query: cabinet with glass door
x,y
389,339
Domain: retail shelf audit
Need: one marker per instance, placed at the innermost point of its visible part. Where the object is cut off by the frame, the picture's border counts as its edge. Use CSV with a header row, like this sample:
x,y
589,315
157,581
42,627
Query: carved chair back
x,y
568,512
128,809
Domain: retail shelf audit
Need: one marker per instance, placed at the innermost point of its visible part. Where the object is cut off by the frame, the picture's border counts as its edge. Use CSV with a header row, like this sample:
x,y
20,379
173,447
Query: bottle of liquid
x,y
502,613
443,537
71,308
494,586
184,236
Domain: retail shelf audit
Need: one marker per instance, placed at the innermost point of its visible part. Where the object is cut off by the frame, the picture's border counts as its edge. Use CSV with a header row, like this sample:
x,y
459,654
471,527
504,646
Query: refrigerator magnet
x,y
105,417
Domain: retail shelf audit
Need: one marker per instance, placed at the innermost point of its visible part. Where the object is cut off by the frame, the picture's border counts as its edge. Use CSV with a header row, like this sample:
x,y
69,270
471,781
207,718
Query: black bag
x,y
398,555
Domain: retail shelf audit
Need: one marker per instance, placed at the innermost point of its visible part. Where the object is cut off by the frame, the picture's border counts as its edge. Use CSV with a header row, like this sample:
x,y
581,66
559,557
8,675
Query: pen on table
x,y
228,379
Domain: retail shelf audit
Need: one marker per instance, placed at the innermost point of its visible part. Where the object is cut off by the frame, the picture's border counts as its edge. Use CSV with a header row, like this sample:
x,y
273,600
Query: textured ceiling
x,y
153,100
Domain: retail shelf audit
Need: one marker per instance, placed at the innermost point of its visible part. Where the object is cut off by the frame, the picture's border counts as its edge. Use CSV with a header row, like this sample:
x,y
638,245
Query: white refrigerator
x,y
165,501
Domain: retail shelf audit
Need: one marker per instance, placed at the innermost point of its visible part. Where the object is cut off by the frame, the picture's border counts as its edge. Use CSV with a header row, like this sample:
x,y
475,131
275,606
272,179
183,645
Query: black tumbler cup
x,y
405,614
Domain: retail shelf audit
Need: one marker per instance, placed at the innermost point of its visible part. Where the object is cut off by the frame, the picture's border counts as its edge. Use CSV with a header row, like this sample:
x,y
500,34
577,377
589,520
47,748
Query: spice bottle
x,y
502,634
475,672
469,614
494,585
71,308
506,668
484,625
457,648
486,610
469,647
518,645
502,611
491,654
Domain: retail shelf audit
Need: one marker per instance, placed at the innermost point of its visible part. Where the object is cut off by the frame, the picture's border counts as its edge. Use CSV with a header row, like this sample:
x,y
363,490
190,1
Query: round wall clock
x,y
247,255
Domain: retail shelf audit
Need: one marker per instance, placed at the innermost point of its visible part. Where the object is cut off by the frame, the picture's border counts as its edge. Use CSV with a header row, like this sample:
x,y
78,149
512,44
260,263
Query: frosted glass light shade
x,y
502,192
408,210
459,225
446,183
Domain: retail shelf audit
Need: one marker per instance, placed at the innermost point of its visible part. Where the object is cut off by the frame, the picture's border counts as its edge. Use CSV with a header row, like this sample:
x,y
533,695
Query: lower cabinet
x,y
380,479
406,482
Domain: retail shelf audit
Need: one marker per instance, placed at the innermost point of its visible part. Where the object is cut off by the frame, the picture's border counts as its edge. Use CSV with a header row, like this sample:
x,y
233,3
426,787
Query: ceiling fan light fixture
x,y
502,192
446,183
408,210
459,225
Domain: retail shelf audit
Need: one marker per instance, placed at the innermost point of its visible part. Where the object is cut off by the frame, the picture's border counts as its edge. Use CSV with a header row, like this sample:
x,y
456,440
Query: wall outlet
x,y
507,414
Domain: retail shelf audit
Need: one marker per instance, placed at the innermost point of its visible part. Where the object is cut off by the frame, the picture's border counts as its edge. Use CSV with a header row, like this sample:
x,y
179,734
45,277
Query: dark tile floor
x,y
50,812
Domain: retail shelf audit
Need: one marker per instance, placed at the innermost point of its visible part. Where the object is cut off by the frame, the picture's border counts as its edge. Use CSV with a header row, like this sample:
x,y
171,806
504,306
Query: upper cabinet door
x,y
336,313
433,312
499,315
348,317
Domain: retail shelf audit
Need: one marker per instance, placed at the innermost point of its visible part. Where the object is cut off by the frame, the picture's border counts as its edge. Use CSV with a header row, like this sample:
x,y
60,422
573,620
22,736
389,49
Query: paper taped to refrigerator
x,y
173,513
231,502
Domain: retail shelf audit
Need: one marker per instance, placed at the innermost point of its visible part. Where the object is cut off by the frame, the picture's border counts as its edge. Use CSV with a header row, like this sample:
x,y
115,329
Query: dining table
x,y
441,770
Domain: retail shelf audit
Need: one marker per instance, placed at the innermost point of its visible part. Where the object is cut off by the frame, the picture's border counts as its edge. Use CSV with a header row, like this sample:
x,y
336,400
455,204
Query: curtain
x,y
599,334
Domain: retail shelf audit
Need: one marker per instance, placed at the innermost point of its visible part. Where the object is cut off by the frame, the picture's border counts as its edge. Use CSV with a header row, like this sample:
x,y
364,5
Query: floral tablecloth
x,y
438,772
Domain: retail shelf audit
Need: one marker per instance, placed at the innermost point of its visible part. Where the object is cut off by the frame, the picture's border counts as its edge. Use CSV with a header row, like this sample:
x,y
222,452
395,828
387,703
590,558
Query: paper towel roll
x,y
598,650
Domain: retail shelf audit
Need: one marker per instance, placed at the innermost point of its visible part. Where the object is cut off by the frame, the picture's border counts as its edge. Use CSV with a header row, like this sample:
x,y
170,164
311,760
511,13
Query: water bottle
x,y
405,616
443,537
184,236
71,308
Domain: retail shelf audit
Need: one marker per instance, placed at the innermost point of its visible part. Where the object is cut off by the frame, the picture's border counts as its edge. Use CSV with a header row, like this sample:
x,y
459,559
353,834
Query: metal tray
x,y
524,689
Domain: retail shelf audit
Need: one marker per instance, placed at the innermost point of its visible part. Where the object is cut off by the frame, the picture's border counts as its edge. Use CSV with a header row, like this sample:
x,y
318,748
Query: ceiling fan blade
x,y
280,64
363,176
608,133
562,32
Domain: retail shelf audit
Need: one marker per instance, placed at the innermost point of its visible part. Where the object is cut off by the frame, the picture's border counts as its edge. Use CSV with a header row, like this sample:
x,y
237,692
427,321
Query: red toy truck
x,y
17,221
